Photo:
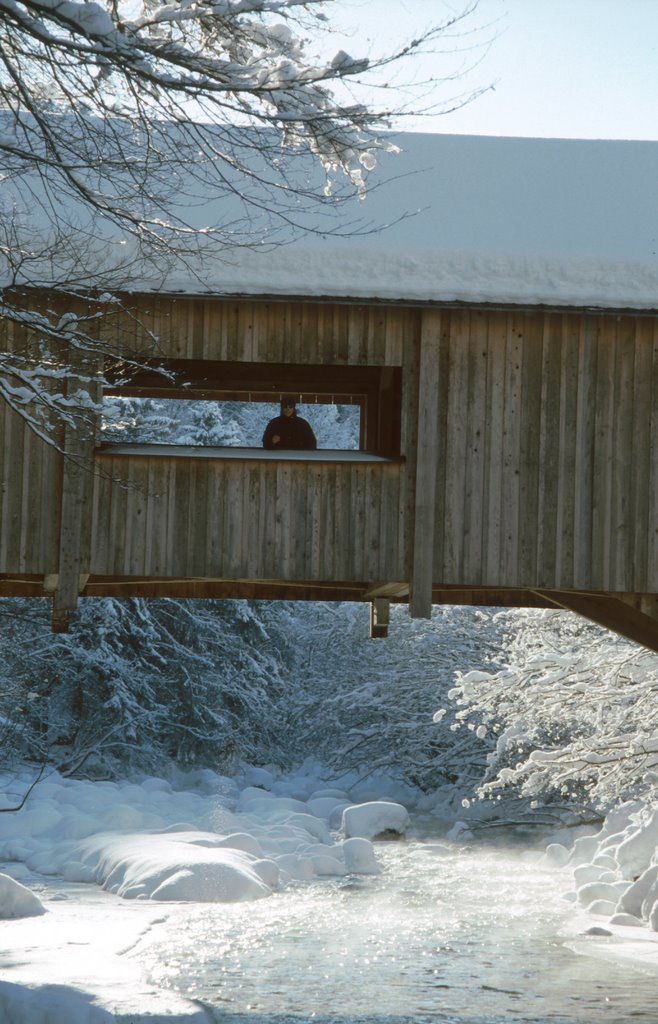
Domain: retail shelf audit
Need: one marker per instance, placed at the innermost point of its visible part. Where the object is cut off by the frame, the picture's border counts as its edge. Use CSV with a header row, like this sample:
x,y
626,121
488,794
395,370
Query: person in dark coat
x,y
288,430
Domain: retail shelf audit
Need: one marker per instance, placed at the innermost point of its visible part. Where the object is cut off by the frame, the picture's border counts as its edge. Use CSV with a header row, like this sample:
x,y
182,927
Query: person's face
x,y
288,410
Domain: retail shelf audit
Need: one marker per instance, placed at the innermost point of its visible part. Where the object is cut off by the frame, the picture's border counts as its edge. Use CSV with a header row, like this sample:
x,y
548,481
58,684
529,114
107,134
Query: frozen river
x,y
475,935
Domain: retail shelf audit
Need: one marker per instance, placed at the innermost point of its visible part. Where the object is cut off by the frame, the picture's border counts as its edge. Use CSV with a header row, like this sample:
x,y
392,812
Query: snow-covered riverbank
x,y
205,838
148,845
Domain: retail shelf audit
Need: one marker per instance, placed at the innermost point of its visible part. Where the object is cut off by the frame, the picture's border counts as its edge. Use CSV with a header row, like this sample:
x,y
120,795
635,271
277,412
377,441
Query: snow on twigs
x,y
571,720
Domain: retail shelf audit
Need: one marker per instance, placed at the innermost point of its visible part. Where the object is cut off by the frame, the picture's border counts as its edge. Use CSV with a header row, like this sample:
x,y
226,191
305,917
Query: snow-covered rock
x,y
557,854
632,900
626,920
459,832
327,807
597,891
586,873
256,800
373,819
17,900
360,856
637,850
171,866
601,908
297,866
584,850
324,865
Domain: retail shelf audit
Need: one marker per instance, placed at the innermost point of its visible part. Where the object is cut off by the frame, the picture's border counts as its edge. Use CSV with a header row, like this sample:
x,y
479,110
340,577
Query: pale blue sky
x,y
562,68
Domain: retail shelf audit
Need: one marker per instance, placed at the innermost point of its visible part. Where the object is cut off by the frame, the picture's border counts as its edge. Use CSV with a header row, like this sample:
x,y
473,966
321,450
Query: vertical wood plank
x,y
584,481
643,476
492,357
136,532
282,505
13,508
625,457
652,554
476,428
547,511
328,518
314,497
456,450
604,418
420,599
530,447
75,515
342,500
512,414
567,467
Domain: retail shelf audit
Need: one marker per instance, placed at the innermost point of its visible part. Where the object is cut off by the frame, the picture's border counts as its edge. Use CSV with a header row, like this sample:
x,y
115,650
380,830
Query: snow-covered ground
x,y
206,839
148,846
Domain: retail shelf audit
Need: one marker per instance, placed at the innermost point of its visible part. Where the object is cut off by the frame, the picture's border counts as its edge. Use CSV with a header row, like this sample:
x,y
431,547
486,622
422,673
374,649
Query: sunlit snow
x,y
213,839
450,218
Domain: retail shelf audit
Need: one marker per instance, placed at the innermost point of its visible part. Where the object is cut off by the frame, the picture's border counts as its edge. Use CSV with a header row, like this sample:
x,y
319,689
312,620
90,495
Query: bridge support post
x,y
75,505
420,602
380,610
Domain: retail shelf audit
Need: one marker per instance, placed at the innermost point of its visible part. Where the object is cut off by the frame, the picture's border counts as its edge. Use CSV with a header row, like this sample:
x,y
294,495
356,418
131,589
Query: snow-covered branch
x,y
170,133
572,717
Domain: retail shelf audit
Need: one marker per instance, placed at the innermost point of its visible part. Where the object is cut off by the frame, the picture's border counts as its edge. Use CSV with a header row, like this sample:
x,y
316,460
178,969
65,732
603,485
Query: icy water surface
x,y
473,937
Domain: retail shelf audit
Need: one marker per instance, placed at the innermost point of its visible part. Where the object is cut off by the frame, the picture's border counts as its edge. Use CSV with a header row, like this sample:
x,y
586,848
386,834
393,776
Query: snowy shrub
x,y
140,683
571,721
368,705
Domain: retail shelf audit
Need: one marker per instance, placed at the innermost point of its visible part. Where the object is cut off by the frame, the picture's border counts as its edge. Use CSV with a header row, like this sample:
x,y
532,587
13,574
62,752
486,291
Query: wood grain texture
x,y
529,444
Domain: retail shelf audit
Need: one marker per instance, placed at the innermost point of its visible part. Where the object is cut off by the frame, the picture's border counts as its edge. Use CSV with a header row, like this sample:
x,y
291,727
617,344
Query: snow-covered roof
x,y
484,219
456,219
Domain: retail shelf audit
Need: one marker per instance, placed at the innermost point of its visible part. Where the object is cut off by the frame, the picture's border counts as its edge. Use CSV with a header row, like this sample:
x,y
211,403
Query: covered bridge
x,y
501,347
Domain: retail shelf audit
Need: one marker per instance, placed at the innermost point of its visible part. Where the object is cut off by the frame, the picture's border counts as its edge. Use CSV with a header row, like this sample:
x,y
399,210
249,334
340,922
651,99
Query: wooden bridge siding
x,y
569,403
275,332
548,475
30,486
305,333
29,489
645,493
187,518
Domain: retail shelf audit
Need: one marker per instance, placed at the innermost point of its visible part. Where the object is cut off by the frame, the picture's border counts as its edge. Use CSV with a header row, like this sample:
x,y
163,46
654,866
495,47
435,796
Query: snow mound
x,y
49,1004
360,857
149,841
166,844
616,870
17,901
171,866
378,818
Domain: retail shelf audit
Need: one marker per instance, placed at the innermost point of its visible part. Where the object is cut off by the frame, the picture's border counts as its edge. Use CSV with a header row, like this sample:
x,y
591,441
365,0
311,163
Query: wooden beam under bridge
x,y
632,616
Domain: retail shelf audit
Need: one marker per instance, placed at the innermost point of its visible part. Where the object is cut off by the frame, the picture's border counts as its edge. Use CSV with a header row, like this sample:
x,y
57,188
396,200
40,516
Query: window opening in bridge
x,y
216,403
178,421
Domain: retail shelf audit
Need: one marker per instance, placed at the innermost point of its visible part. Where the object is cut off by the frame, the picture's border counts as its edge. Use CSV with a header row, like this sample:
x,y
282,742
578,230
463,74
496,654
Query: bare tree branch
x,y
164,134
